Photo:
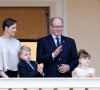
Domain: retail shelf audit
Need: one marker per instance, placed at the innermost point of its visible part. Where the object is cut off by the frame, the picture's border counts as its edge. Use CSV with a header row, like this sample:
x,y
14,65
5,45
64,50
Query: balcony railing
x,y
49,84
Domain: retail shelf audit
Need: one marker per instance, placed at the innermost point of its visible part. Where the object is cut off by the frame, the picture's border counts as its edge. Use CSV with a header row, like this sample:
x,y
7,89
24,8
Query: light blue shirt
x,y
28,62
55,40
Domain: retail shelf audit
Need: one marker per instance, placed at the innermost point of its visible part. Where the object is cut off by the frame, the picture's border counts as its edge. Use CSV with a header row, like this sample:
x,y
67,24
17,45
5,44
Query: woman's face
x,y
11,30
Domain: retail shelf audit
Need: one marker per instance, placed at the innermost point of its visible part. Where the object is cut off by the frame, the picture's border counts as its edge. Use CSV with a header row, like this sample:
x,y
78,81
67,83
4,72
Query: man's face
x,y
56,27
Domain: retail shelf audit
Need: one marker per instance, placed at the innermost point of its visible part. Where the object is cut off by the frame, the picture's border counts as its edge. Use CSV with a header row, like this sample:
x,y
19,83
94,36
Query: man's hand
x,y
40,68
57,51
63,68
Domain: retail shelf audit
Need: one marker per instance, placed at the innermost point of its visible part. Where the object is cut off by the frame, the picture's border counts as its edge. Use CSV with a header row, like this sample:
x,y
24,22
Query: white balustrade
x,y
49,84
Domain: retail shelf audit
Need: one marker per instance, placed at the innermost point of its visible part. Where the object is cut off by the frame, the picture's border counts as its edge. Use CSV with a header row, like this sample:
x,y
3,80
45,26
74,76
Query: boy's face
x,y
84,61
25,55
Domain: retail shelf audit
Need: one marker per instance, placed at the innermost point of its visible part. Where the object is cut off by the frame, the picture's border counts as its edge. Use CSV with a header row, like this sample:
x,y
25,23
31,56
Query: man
x,y
57,52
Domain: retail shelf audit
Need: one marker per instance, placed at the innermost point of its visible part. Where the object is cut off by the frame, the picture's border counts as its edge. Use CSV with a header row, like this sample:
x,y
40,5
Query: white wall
x,y
84,27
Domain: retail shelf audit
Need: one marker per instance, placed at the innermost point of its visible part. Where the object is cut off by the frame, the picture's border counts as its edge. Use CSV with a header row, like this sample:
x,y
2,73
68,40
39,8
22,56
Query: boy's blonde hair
x,y
26,48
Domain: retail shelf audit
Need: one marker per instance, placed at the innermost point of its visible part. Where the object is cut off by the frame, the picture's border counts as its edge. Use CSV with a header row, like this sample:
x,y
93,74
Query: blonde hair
x,y
26,48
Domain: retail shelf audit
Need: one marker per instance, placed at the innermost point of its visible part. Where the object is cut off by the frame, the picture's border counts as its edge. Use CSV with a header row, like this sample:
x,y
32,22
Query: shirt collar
x,y
55,36
27,62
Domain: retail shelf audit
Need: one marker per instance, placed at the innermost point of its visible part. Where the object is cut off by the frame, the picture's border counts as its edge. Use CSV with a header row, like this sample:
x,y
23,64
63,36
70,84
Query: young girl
x,y
27,67
84,70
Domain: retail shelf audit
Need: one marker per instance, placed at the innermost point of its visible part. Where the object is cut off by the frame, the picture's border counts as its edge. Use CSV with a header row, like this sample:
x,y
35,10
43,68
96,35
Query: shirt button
x,y
59,59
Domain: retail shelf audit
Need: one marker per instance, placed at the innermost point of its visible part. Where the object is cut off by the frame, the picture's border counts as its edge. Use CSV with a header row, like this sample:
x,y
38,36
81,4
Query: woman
x,y
9,47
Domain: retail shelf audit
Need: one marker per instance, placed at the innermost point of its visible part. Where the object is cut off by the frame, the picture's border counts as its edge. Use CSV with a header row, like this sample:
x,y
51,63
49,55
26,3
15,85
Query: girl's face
x,y
25,55
84,61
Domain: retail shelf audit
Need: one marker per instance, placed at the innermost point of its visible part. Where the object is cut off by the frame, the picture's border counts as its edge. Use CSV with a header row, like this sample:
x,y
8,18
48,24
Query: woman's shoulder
x,y
15,40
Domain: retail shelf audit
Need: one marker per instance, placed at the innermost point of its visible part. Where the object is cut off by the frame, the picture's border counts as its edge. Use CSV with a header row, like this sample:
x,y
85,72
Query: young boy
x,y
27,67
84,70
